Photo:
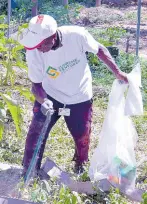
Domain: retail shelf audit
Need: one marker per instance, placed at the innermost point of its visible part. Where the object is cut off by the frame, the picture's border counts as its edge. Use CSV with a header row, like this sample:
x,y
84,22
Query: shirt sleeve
x,y
89,44
35,66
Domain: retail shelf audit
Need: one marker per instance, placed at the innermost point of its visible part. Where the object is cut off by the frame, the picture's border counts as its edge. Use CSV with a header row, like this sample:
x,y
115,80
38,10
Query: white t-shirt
x,y
65,73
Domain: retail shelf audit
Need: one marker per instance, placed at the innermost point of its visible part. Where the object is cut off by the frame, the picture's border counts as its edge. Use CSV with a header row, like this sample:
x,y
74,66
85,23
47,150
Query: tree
x,y
98,3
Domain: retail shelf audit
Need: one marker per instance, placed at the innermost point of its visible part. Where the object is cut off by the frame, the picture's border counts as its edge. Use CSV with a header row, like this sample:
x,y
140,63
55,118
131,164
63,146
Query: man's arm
x,y
104,55
38,92
41,97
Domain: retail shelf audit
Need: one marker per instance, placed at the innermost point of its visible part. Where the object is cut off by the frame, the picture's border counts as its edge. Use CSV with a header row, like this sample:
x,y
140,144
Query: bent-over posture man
x,y
61,79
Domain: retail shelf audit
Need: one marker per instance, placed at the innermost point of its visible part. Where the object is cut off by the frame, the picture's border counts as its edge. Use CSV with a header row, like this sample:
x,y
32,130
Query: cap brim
x,y
27,38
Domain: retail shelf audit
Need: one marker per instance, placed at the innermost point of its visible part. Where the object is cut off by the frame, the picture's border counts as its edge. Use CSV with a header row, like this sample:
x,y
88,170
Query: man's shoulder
x,y
72,30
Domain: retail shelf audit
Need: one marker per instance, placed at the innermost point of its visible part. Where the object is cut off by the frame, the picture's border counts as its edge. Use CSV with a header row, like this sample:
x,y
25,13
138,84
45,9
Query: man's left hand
x,y
122,76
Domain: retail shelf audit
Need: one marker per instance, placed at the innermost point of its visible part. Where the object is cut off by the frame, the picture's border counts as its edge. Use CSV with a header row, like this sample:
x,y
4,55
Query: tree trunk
x,y
65,2
98,3
34,8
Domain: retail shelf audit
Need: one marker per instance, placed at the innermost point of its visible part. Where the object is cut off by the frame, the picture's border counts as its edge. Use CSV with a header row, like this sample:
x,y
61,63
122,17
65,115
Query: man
x,y
61,82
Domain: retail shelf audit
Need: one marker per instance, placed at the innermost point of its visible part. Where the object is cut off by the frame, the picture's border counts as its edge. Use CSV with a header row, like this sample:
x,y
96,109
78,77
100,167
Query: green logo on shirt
x,y
53,73
66,66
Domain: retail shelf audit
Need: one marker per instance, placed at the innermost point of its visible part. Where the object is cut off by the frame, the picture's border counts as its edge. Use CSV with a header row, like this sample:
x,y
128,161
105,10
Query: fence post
x,y
138,27
98,3
9,17
34,8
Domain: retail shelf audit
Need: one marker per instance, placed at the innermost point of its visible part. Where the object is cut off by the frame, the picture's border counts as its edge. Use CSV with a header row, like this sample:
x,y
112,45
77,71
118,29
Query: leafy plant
x,y
11,56
3,6
66,197
62,14
109,36
144,198
124,61
114,34
115,197
38,193
15,111
131,15
26,93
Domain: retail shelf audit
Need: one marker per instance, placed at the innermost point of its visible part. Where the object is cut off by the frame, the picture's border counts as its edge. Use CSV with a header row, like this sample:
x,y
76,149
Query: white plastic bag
x,y
114,158
134,104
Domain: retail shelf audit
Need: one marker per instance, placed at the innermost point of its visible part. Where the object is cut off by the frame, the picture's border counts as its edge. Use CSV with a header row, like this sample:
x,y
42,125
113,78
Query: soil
x,y
124,17
9,179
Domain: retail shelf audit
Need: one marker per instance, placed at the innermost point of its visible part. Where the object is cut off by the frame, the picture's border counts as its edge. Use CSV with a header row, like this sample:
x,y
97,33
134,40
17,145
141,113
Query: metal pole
x,y
9,17
138,27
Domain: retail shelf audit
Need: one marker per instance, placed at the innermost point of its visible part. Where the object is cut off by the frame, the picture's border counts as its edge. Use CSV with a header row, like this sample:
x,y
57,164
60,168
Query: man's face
x,y
47,44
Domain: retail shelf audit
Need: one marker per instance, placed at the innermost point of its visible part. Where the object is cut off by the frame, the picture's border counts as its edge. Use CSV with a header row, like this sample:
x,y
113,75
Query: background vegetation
x,y
16,99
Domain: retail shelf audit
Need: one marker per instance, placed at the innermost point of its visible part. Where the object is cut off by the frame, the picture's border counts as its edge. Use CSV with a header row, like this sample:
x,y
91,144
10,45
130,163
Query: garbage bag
x,y
114,158
134,104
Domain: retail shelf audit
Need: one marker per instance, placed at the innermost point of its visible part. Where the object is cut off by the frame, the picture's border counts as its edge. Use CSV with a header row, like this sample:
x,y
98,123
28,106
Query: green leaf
x,y
61,193
48,188
2,48
22,27
2,17
74,199
1,130
2,115
26,93
144,196
25,25
2,34
17,48
15,111
21,65
66,6
2,120
3,26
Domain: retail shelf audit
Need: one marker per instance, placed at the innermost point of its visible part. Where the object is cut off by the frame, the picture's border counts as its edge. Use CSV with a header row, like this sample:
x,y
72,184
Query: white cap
x,y
40,28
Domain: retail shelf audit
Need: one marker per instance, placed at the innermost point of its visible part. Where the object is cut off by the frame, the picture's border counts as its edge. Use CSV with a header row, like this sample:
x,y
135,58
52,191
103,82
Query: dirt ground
x,y
124,17
9,179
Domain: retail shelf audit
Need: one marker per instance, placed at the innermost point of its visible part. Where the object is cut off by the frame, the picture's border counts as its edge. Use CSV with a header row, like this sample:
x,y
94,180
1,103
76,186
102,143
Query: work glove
x,y
47,107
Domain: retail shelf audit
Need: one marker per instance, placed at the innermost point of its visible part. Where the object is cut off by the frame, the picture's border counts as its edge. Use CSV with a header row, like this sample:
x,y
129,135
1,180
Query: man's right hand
x,y
47,107
122,76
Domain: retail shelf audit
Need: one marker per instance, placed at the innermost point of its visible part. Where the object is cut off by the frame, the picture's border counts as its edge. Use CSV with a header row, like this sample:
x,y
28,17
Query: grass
x,y
131,15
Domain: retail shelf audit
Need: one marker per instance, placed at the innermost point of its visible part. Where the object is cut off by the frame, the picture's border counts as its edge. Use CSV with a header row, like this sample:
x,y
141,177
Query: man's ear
x,y
55,35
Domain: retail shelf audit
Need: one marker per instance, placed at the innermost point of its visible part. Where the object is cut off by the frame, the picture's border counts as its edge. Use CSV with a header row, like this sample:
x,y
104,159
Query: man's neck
x,y
58,42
